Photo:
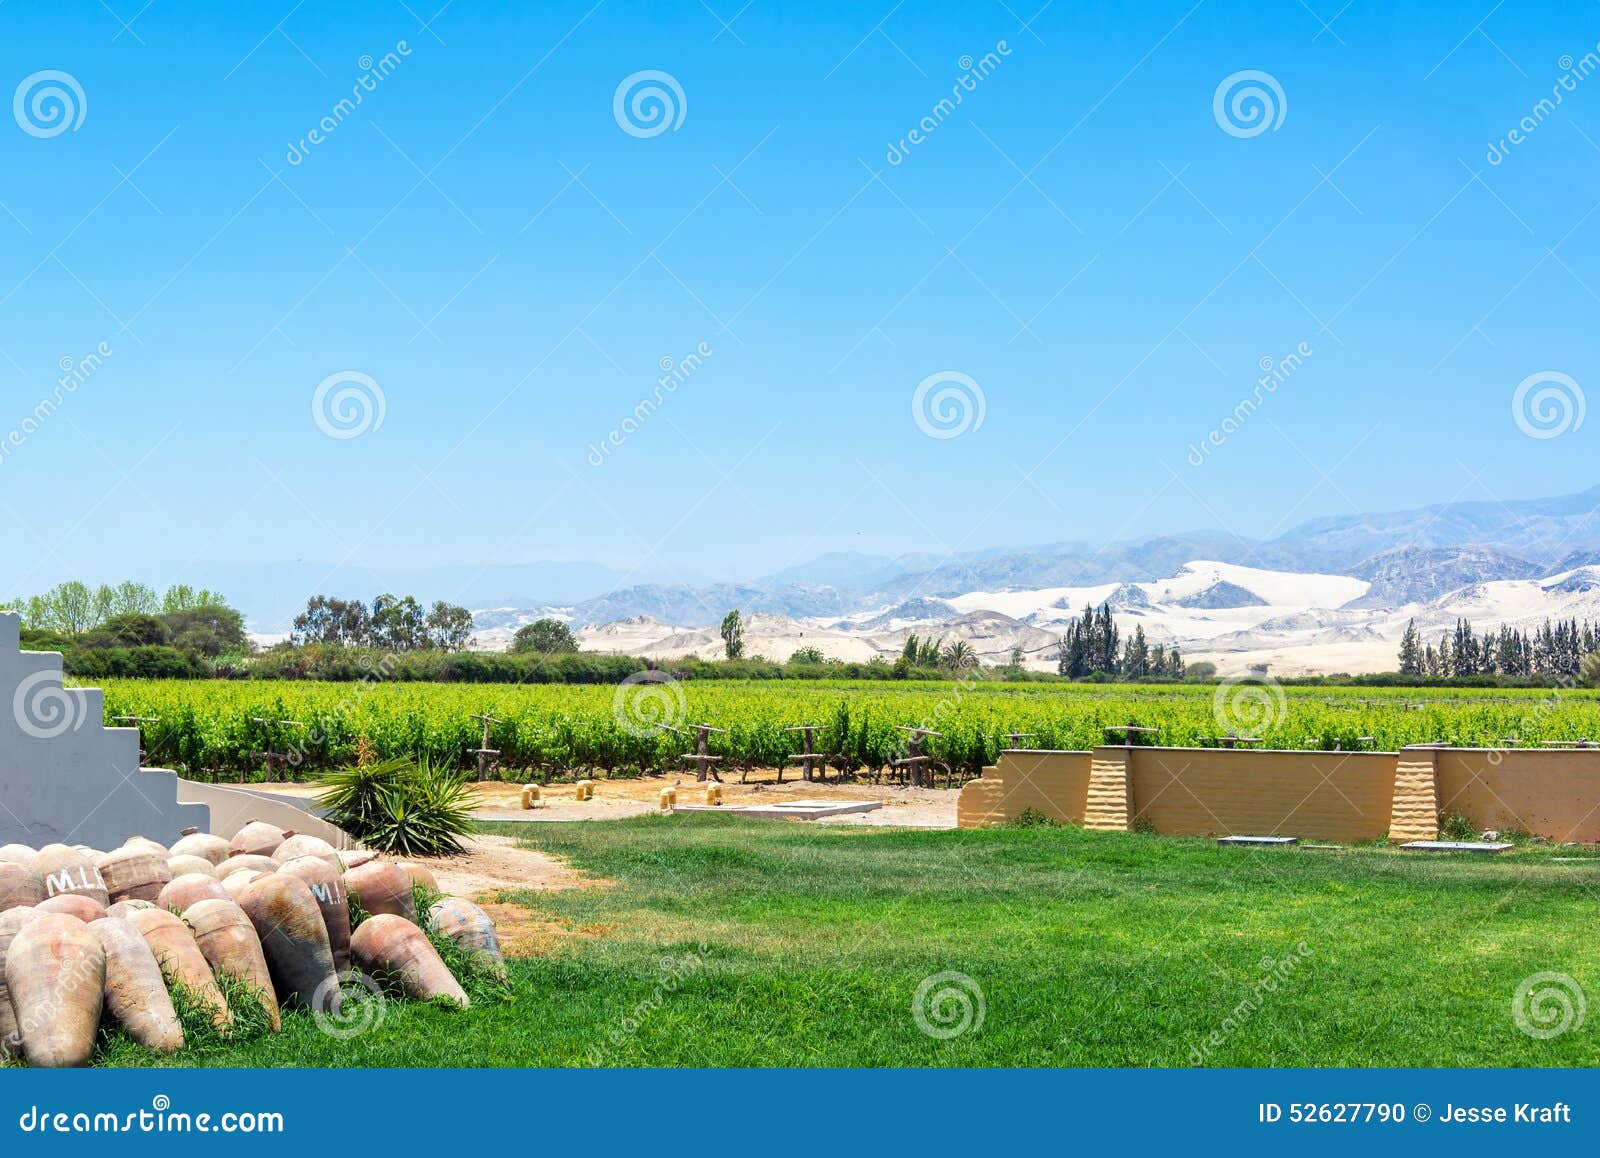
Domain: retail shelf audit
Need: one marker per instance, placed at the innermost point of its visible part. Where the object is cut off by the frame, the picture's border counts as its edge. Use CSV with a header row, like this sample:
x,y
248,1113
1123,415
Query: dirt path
x,y
618,799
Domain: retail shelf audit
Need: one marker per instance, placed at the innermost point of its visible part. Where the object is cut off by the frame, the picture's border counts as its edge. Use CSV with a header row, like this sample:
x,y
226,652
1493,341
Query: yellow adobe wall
x,y
1550,793
1055,784
1343,796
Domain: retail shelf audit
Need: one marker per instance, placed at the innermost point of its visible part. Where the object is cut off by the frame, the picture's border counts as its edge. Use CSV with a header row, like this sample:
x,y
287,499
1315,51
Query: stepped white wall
x,y
65,777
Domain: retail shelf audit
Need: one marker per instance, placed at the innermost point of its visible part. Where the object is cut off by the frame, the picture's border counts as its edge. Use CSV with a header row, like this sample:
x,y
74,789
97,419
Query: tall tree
x,y
1411,650
733,635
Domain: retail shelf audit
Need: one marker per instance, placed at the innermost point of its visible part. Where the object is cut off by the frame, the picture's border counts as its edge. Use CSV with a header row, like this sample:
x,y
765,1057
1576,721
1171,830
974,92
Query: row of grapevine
x,y
210,728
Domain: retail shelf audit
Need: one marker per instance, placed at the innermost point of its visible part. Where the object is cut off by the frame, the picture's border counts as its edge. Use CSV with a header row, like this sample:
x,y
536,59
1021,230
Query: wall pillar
x,y
1110,804
1415,812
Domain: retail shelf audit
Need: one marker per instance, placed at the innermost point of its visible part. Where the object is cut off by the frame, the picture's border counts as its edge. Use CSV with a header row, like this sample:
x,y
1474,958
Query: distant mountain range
x,y
1329,594
1407,556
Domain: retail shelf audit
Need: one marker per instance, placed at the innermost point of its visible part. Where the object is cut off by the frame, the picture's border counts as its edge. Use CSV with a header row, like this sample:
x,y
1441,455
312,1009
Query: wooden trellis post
x,y
701,758
1231,740
809,759
916,764
483,752
136,721
276,761
1130,730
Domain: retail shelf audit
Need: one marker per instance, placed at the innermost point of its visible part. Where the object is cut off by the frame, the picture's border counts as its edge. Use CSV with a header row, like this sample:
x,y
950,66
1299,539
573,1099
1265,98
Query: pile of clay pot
x,y
86,935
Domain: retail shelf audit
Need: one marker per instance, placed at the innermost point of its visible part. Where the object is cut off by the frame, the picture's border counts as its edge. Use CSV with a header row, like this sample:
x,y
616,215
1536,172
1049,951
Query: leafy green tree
x,y
811,655
182,597
130,630
449,628
544,637
733,635
209,629
333,621
398,623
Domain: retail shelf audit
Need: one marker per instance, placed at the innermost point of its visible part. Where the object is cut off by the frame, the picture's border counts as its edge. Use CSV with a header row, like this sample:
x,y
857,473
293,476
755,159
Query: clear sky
x,y
1105,252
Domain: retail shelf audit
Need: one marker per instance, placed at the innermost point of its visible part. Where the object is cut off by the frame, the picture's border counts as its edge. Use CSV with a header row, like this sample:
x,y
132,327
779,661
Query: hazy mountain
x,y
1543,530
1221,595
1419,574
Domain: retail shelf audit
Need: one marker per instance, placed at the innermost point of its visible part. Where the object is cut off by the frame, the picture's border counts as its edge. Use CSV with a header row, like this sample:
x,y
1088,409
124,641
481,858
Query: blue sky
x,y
480,237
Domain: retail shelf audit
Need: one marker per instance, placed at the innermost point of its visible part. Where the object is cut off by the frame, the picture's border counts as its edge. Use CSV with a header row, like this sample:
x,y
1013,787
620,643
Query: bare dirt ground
x,y
617,799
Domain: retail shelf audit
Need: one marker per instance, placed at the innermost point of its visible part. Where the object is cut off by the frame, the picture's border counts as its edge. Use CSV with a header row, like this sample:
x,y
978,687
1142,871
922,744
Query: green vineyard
x,y
207,729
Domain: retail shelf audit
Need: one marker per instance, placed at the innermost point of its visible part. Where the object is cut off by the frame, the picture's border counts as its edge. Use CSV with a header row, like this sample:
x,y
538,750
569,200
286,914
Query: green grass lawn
x,y
732,942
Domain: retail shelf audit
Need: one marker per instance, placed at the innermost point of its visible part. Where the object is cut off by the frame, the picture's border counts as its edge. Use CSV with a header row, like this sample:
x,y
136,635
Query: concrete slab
x,y
791,809
1257,841
1477,846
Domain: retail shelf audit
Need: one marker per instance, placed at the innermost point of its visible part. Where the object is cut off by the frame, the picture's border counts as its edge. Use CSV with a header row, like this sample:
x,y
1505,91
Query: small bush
x,y
401,806
1457,827
1033,818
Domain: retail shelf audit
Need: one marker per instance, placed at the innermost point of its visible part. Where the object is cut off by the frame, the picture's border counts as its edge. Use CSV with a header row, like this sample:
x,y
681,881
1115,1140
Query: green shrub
x,y
400,806
1033,818
1457,827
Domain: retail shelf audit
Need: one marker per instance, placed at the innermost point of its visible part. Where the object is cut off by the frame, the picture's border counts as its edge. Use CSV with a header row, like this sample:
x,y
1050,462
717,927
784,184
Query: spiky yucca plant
x,y
400,806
